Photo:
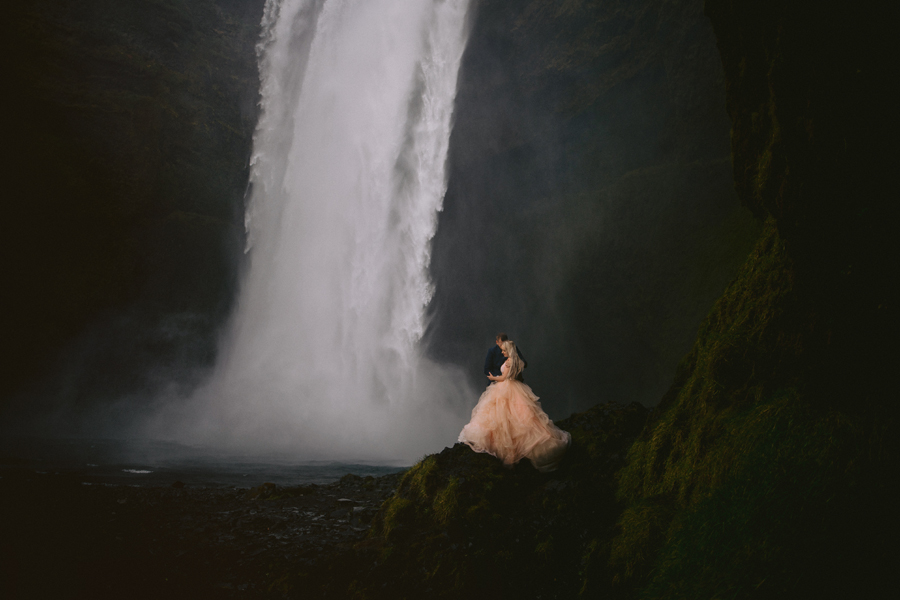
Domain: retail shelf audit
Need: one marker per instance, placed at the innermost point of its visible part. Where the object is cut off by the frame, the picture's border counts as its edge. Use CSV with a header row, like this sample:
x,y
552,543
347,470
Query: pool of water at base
x,y
158,463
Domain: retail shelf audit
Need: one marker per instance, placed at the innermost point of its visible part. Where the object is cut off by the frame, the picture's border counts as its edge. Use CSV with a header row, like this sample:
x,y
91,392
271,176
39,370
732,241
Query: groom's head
x,y
501,337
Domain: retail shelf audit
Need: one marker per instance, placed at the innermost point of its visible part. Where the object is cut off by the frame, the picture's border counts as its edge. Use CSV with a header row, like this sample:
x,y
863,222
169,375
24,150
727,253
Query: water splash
x,y
348,176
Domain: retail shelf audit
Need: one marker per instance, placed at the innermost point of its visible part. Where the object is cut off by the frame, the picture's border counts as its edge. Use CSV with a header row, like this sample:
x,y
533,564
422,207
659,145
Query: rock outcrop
x,y
461,525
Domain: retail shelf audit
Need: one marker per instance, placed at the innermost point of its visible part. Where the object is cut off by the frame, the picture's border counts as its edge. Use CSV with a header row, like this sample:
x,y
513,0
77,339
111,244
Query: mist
x,y
347,178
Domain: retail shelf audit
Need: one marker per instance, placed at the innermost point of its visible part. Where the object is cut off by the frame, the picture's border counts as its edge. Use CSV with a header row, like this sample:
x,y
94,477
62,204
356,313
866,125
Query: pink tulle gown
x,y
509,423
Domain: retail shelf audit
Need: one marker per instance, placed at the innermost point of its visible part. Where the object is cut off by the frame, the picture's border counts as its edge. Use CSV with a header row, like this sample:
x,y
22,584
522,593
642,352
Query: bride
x,y
508,421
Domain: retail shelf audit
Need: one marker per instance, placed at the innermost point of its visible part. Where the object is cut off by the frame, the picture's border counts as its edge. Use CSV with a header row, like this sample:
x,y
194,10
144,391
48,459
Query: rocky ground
x,y
64,539
457,524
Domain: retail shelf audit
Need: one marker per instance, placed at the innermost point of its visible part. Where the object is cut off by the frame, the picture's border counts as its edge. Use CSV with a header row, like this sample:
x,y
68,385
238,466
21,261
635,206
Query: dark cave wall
x,y
814,142
590,211
131,123
767,468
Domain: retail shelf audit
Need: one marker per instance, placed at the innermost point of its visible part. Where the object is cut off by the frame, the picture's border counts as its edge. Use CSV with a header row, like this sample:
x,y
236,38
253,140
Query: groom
x,y
495,359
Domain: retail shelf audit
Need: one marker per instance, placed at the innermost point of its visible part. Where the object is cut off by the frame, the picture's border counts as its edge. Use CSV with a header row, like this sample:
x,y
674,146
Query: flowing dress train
x,y
508,422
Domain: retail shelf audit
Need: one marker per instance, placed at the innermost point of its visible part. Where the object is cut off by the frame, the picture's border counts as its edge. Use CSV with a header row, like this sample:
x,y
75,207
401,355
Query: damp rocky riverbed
x,y
64,539
457,524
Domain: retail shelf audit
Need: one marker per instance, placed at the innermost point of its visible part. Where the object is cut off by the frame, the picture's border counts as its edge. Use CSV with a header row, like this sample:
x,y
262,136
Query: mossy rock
x,y
460,524
748,482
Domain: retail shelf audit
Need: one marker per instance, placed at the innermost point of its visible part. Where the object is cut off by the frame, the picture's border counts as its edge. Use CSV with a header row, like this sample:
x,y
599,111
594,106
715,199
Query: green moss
x,y
766,172
746,470
420,477
446,502
792,479
545,547
643,524
463,525
397,511
688,451
728,368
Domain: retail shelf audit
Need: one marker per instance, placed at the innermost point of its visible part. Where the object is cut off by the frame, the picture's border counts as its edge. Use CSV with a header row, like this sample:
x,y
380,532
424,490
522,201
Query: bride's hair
x,y
515,363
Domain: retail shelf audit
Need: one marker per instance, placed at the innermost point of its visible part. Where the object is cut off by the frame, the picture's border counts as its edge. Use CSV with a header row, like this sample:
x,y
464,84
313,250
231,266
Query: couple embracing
x,y
508,421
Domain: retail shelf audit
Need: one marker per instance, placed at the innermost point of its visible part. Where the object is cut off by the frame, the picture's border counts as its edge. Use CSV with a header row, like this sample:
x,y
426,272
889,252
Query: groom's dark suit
x,y
495,359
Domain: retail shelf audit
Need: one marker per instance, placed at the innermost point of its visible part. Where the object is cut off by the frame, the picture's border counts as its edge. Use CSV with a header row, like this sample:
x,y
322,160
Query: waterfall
x,y
347,180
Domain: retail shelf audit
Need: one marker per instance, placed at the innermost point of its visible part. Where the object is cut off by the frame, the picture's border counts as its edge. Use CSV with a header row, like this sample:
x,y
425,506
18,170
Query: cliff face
x,y
766,471
813,146
590,211
130,124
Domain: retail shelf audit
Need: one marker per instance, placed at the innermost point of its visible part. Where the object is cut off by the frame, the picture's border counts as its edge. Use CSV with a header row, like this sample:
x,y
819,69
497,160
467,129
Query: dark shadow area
x,y
131,127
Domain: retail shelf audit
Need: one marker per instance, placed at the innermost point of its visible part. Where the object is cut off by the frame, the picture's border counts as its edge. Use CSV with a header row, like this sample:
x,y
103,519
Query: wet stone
x,y
178,537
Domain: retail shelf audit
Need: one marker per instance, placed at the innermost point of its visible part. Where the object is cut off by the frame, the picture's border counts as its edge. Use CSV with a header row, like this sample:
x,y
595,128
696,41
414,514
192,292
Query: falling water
x,y
347,179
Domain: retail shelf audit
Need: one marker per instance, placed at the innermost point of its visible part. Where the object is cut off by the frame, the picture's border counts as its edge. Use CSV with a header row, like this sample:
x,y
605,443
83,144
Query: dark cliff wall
x,y
814,144
768,470
590,210
129,124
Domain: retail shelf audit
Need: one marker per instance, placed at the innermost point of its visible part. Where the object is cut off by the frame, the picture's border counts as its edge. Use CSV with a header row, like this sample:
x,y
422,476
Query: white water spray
x,y
348,176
